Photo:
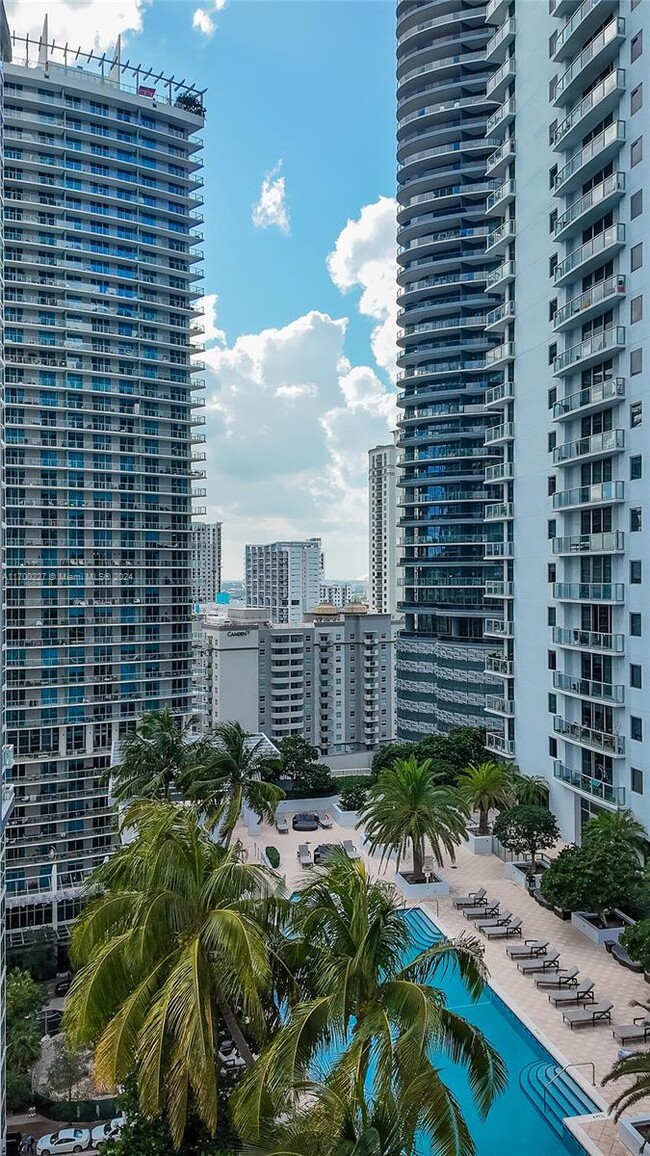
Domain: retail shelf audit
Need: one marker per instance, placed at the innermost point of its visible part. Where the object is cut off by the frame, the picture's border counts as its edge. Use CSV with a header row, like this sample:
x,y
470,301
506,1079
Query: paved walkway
x,y
582,1046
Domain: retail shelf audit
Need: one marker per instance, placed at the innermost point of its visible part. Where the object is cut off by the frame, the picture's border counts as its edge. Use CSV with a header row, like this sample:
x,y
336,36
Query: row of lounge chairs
x,y
306,858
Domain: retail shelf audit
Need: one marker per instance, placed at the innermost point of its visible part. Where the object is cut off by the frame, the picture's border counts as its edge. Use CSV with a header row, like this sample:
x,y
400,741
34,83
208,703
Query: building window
x,y
552,397
636,414
636,780
635,572
551,571
552,485
551,660
636,467
636,728
551,615
636,256
636,204
636,309
636,47
635,625
552,441
636,362
636,520
636,99
636,152
552,748
636,676
552,703
551,530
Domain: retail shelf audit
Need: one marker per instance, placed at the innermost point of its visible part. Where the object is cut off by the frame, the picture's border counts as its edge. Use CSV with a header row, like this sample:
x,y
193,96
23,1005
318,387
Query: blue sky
x,y
301,356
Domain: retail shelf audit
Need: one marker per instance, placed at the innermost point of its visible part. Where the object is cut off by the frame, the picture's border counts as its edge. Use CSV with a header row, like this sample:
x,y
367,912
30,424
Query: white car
x,y
111,1130
65,1140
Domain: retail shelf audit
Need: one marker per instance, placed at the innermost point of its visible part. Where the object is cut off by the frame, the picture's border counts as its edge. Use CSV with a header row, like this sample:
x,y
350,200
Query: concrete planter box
x,y
597,935
629,1134
518,872
434,890
479,844
295,806
344,818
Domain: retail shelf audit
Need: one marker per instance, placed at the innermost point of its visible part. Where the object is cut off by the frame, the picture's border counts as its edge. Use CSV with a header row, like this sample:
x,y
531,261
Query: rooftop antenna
x,y
43,44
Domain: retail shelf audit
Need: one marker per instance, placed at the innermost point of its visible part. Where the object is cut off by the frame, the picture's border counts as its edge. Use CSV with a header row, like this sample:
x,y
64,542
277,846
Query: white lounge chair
x,y
582,993
598,1013
507,932
500,920
325,821
567,977
529,949
305,856
350,849
548,962
282,824
474,899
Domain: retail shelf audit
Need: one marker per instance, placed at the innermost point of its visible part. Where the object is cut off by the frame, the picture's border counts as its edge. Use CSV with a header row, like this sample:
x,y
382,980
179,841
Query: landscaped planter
x,y
433,890
344,818
634,1133
587,924
518,873
479,844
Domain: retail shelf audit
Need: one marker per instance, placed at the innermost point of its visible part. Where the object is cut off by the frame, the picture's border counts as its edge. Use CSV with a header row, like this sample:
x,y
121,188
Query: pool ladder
x,y
581,1064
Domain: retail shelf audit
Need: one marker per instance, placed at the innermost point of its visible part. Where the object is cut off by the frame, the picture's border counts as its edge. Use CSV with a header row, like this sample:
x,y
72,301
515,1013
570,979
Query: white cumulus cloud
x,y
89,23
270,210
207,306
203,18
364,257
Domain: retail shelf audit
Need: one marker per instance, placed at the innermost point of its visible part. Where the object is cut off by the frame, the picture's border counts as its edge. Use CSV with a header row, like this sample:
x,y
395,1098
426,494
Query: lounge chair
x,y
473,899
350,849
482,910
510,929
528,949
498,920
282,824
567,977
590,1016
325,821
582,993
548,962
638,1031
304,856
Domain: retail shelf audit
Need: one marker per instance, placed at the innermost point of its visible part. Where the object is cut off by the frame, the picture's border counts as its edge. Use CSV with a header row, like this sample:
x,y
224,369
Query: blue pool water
x,y
519,1116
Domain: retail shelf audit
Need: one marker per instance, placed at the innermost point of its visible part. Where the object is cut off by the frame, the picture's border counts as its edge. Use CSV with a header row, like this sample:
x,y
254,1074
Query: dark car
x,y
14,1140
305,821
323,852
63,986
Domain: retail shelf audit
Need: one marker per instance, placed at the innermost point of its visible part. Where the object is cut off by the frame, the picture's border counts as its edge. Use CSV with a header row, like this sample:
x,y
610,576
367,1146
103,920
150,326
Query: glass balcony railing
x,y
589,591
500,745
497,664
590,784
593,249
607,87
591,58
601,443
587,736
614,183
586,688
588,639
594,395
607,341
611,542
601,292
598,494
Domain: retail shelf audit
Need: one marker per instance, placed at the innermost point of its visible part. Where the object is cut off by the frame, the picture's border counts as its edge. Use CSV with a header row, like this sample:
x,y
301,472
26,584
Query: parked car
x,y
305,821
65,1140
63,986
111,1130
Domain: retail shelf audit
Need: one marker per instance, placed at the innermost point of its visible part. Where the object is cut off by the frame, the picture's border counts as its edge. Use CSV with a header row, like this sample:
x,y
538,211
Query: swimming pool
x,y
524,1116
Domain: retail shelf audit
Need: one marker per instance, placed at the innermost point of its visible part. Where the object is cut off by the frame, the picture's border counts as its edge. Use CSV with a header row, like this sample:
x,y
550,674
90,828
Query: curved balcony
x,y
498,122
497,46
588,352
497,397
590,399
609,542
585,736
608,692
588,256
498,200
498,83
588,640
589,304
498,161
589,591
592,60
590,785
595,446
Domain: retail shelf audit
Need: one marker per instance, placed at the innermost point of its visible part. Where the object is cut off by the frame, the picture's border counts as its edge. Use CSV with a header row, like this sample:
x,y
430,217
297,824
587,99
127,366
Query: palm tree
x,y
170,947
153,757
230,778
636,1066
408,806
617,827
382,1018
485,787
529,790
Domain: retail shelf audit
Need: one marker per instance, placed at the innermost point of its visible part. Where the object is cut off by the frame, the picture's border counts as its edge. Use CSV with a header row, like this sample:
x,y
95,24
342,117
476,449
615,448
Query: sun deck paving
x,y
612,982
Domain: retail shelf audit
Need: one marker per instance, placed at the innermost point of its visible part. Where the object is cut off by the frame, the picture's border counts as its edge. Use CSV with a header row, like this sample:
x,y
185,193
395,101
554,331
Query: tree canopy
x,y
527,830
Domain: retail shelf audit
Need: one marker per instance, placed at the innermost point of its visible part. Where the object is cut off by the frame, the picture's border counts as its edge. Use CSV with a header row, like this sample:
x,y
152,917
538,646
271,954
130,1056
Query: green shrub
x,y
353,798
273,856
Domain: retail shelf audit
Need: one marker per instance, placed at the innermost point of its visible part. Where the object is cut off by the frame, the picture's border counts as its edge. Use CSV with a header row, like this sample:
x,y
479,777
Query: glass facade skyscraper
x,y
102,200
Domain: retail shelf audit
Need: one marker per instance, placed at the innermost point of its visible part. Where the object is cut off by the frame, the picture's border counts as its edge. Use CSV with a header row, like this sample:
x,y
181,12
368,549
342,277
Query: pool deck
x,y
612,982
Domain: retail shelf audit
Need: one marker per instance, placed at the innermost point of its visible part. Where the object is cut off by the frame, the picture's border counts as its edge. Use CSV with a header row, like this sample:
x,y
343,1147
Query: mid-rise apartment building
x,y
336,593
206,562
102,196
382,529
565,503
329,679
284,578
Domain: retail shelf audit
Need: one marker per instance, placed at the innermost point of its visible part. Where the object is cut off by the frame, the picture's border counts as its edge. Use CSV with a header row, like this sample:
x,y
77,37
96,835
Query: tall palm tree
x,y
637,1067
407,807
230,778
153,756
486,787
529,790
170,947
617,827
381,1017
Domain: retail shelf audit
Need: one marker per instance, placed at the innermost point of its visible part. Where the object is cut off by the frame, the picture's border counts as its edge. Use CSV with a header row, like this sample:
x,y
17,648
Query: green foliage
x,y
25,997
67,1067
314,782
595,877
486,787
39,959
408,807
300,768
529,790
297,755
143,1136
353,798
448,754
636,941
273,856
345,782
617,827
524,829
154,756
635,1071
19,1089
24,1000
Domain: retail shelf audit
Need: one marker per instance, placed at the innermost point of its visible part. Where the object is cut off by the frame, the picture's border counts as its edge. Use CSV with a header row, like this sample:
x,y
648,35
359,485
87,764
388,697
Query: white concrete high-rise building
x,y
206,562
551,100
284,578
329,679
382,521
336,593
102,194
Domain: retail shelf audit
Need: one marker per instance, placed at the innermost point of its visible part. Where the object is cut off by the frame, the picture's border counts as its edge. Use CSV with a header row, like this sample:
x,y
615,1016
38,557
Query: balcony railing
x,y
500,473
496,664
607,341
499,589
612,136
500,745
590,785
589,591
586,688
505,152
588,639
496,705
600,493
592,251
601,443
594,199
593,56
611,542
608,87
577,307
496,511
497,121
500,433
498,82
498,549
586,736
613,389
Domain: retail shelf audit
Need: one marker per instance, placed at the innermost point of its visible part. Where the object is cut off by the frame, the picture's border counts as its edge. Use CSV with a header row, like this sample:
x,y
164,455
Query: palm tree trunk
x,y
418,860
236,1034
483,817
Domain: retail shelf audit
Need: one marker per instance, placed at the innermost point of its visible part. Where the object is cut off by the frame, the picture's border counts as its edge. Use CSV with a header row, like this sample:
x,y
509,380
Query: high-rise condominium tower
x,y
206,561
569,218
449,275
284,578
101,196
382,522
